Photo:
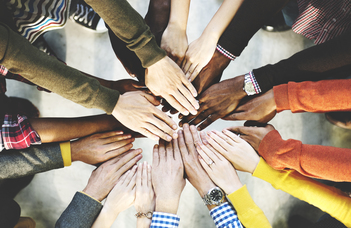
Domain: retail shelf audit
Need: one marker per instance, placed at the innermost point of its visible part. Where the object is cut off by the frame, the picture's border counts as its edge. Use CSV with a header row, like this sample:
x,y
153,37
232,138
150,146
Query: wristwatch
x,y
249,86
215,196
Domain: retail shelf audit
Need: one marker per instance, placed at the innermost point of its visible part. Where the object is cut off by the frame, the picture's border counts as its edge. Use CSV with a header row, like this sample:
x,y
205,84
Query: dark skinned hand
x,y
252,132
260,108
127,85
217,102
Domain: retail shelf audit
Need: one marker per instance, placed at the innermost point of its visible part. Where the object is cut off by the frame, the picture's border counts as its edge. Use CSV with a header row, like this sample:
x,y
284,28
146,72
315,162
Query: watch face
x,y
216,195
249,88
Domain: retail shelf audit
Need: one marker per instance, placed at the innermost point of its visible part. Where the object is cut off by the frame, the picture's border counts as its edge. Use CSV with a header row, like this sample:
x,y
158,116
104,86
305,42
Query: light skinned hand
x,y
175,43
101,147
145,196
120,198
236,150
219,169
251,133
137,111
166,79
196,175
216,102
260,108
167,176
199,53
104,178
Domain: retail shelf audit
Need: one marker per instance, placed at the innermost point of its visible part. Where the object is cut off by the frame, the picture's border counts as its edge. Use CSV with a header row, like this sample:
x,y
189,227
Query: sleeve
x,y
224,216
20,57
80,213
130,27
330,59
250,17
164,220
66,153
323,162
321,96
250,215
36,159
328,199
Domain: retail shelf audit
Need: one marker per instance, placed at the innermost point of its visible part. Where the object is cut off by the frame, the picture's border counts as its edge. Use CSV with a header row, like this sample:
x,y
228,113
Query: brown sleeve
x,y
324,162
20,57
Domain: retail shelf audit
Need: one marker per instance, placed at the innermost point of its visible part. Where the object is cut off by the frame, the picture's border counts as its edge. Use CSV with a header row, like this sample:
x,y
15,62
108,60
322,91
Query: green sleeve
x,y
130,27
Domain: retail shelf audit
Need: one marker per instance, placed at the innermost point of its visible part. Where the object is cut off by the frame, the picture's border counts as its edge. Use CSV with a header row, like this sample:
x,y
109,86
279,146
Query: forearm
x,y
179,14
328,199
330,59
104,220
323,162
63,129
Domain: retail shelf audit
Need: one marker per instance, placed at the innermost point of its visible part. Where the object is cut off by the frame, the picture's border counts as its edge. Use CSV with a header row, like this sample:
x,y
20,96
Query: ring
x,y
210,163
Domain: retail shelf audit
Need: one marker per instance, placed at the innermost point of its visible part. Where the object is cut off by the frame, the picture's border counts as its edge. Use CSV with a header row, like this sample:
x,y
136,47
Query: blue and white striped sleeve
x,y
164,220
225,216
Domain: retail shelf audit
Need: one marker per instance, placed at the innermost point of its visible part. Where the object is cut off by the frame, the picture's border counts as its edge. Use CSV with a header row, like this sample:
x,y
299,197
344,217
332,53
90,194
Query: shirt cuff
x,y
225,52
66,153
164,220
90,196
3,70
225,216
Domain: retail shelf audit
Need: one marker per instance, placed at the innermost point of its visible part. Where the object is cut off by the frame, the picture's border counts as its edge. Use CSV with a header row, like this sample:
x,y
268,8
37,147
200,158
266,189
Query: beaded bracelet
x,y
147,215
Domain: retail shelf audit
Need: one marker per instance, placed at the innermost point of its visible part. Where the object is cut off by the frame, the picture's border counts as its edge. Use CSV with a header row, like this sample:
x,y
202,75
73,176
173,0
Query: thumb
x,y
152,99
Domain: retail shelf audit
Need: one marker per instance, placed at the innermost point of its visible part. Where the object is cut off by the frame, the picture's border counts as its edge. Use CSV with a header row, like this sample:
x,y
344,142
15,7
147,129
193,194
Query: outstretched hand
x,y
127,85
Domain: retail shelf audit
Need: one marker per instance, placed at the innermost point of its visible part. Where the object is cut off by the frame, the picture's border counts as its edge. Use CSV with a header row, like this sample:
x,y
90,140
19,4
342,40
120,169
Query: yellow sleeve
x,y
328,199
66,153
250,215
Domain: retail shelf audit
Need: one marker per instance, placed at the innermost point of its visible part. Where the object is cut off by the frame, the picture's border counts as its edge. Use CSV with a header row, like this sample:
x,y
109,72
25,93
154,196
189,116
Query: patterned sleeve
x,y
17,133
225,216
164,220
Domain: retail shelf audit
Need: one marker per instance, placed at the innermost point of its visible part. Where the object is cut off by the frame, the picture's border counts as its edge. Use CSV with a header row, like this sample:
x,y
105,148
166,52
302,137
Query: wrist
x,y
232,187
74,151
238,85
176,26
92,193
205,187
167,205
143,222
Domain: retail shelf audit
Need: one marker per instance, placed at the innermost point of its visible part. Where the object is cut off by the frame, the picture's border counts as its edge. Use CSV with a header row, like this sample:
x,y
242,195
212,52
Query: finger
x,y
132,184
186,119
189,141
224,140
156,131
195,73
204,156
173,111
186,65
169,151
162,151
186,93
175,104
144,174
208,121
152,99
236,116
184,102
176,151
201,117
215,135
156,157
148,134
190,87
120,160
149,176
109,134
165,118
203,137
116,138
240,130
139,176
129,175
128,165
231,135
205,165
208,152
195,134
116,152
118,144
190,71
215,145
182,146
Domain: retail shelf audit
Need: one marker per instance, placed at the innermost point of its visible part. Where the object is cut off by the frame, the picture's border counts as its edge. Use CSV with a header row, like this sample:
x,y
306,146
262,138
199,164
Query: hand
x,y
101,147
127,85
137,111
252,134
198,55
196,175
212,72
104,178
167,176
219,169
165,79
145,196
120,198
261,109
233,148
217,101
175,43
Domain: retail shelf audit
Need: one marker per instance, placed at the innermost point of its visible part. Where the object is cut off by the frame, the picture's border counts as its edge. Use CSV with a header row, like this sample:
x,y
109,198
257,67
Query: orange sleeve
x,y
321,96
324,162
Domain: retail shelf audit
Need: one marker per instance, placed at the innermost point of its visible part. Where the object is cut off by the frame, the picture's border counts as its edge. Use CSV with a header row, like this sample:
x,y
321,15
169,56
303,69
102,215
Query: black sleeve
x,y
331,59
250,17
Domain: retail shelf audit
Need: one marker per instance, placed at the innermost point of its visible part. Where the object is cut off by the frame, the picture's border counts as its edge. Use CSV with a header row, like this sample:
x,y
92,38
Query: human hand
x,y
196,175
260,108
100,147
219,169
104,178
199,53
232,147
175,43
167,176
252,134
216,102
165,78
127,85
137,111
145,196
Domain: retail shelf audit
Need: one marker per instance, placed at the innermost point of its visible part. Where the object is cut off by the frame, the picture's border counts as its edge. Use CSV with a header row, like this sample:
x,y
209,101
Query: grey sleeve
x,y
80,213
35,159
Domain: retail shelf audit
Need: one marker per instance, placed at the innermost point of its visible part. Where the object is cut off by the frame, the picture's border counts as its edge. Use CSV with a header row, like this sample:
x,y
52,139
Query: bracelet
x,y
147,214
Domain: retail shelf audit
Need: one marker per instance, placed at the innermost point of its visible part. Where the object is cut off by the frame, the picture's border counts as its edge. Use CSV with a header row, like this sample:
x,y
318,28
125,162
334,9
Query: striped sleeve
x,y
164,220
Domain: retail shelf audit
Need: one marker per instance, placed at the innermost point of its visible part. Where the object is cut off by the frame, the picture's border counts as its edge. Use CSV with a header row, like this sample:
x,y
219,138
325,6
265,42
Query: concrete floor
x,y
50,193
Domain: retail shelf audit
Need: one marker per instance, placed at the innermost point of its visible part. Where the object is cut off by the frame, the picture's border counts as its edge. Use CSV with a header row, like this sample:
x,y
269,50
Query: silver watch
x,y
215,196
249,86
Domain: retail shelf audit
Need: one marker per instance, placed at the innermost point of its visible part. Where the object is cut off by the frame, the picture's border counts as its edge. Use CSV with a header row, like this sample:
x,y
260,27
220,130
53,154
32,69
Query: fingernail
x,y
175,127
128,136
193,112
156,138
175,135
185,113
169,138
197,105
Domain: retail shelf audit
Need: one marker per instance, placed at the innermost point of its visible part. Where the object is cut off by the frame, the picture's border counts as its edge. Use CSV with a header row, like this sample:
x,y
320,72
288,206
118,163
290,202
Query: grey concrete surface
x,y
50,193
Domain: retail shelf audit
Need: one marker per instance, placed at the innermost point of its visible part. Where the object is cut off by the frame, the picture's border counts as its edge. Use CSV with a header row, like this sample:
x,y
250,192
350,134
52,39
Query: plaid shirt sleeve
x,y
164,220
17,133
225,216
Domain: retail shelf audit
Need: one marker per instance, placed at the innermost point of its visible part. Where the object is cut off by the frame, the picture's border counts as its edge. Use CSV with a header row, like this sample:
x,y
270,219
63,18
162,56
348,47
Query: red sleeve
x,y
321,96
323,162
